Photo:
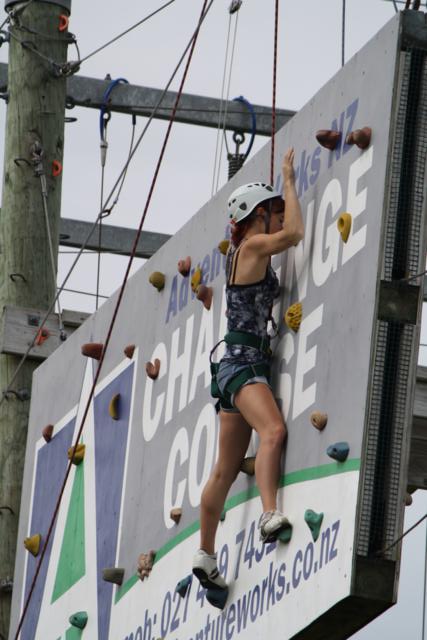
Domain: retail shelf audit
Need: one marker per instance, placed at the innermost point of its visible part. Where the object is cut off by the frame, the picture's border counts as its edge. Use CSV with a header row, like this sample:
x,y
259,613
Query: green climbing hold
x,y
78,619
217,597
285,533
183,586
314,521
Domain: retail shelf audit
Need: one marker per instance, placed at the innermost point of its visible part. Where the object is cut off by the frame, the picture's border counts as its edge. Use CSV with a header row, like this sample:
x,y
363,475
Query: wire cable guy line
x,y
204,12
273,109
103,208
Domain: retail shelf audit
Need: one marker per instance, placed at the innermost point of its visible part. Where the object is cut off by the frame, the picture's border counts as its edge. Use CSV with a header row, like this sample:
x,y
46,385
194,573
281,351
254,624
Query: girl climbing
x,y
241,380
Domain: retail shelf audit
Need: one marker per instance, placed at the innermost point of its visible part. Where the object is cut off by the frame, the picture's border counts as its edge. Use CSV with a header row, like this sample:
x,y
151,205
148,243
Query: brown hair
x,y
239,229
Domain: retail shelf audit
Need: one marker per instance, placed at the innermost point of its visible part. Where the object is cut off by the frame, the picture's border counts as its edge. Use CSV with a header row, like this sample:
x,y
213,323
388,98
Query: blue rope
x,y
104,105
253,117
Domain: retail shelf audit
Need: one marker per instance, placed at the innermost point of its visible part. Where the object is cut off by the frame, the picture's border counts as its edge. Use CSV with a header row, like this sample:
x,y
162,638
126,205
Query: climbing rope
x,y
204,12
234,9
94,224
273,108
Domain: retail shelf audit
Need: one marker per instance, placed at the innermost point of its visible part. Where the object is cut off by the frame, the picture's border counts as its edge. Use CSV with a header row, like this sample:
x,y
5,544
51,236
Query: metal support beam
x,y
196,110
73,233
417,470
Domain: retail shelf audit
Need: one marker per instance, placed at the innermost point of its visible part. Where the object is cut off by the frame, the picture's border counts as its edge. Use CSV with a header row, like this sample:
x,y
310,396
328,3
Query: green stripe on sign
x,y
312,473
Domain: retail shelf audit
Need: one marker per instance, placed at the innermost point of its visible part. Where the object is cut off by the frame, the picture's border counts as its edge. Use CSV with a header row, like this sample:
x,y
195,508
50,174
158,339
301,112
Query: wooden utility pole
x,y
33,154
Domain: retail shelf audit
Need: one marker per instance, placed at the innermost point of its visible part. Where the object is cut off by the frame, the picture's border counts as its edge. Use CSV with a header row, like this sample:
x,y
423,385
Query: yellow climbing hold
x,y
293,316
196,279
113,407
32,544
78,455
344,225
223,246
248,466
157,279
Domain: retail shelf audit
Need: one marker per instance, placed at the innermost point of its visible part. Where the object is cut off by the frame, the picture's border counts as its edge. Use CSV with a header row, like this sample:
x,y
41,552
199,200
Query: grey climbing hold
x,y
183,586
338,451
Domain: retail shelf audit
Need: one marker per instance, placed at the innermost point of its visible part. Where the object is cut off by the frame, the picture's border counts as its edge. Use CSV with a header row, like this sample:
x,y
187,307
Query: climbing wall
x,y
150,436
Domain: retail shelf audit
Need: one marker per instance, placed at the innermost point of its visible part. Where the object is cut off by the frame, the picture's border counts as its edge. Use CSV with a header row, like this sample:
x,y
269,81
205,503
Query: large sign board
x,y
159,453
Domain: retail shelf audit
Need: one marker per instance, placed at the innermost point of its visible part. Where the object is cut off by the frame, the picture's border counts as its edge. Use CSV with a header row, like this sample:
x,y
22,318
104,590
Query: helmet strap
x,y
268,217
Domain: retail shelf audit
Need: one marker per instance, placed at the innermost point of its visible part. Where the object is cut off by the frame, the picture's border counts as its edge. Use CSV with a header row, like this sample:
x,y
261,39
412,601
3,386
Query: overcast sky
x,y
309,54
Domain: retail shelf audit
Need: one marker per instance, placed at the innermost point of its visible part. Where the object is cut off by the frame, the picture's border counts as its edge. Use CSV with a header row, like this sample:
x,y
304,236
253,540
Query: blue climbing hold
x,y
314,521
217,597
338,451
183,586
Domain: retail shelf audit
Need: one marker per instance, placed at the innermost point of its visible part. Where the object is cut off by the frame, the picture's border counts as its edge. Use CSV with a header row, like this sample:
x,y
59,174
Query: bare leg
x,y
257,405
234,437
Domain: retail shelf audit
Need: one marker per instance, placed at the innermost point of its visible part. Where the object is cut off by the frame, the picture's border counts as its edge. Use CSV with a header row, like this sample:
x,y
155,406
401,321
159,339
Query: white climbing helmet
x,y
244,199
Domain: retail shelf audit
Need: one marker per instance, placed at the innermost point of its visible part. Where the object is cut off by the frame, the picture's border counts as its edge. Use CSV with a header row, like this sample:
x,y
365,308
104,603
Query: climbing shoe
x,y
270,524
206,570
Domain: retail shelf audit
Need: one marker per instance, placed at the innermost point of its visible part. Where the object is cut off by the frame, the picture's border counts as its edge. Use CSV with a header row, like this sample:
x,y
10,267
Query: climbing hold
x,y
157,279
114,406
42,336
78,455
328,138
319,420
78,619
63,22
217,597
152,370
129,351
114,575
223,246
205,294
223,514
338,451
56,168
184,266
285,532
248,466
408,499
314,521
145,564
293,316
344,225
93,350
175,515
182,586
196,279
32,544
361,137
47,432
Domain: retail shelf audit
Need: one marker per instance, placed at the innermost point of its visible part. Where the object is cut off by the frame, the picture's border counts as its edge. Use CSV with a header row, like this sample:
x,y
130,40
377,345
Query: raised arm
x,y
293,226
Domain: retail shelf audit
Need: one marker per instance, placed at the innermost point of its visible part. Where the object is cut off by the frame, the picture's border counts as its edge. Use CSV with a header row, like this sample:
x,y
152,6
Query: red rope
x,y
273,109
115,313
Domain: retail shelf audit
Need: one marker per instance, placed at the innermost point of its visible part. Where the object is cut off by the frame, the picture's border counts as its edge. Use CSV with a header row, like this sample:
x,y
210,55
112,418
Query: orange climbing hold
x,y
196,279
157,279
176,514
328,138
145,564
78,455
152,370
129,351
361,137
42,336
184,266
293,316
32,544
93,350
344,225
319,420
223,246
205,294
48,432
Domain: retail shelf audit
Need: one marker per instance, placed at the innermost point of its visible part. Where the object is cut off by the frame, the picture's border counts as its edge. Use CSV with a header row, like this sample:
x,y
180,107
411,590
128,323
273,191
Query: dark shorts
x,y
227,371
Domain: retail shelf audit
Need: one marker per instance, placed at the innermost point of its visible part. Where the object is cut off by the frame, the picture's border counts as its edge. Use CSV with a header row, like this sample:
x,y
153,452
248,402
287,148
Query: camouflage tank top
x,y
248,309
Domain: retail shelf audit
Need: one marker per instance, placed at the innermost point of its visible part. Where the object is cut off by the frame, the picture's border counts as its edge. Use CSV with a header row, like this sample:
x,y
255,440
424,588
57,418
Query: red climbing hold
x,y
205,294
328,138
129,351
361,137
56,168
152,370
184,266
93,350
48,432
42,336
